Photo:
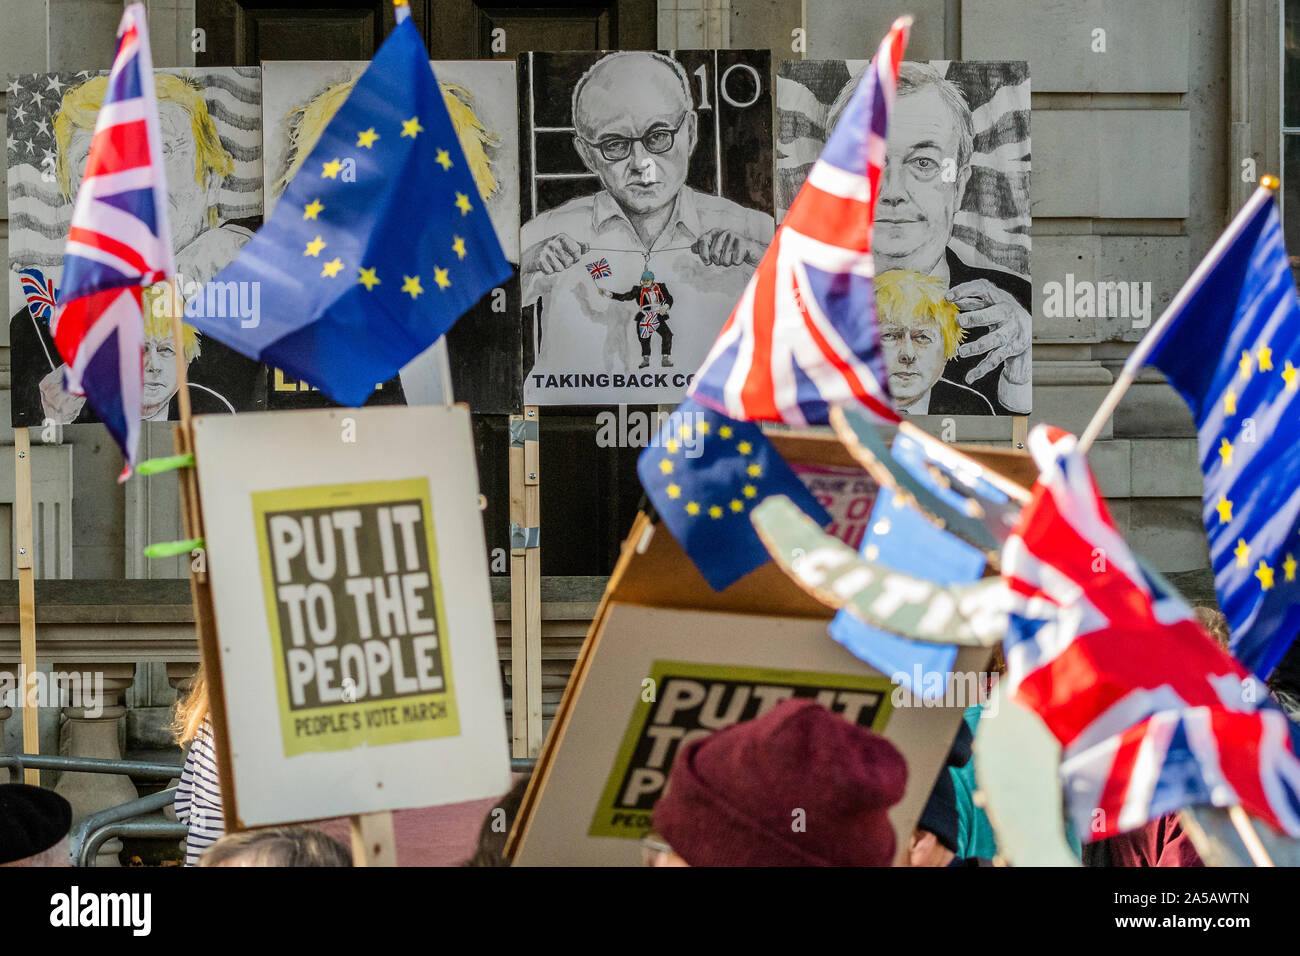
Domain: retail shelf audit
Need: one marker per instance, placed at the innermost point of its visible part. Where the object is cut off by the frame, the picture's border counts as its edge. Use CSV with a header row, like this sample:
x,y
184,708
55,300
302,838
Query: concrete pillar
x,y
5,714
90,729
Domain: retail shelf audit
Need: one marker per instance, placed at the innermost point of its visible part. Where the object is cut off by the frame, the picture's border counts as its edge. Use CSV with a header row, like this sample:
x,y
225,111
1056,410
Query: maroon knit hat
x,y
731,797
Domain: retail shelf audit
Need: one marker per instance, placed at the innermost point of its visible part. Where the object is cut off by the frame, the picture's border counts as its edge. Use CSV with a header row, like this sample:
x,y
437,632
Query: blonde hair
x,y
908,298
158,319
191,711
80,109
277,846
307,122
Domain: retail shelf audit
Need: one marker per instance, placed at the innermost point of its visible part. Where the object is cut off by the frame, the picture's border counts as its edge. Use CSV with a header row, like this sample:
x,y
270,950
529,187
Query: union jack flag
x,y
119,243
1151,714
39,292
600,269
648,325
804,336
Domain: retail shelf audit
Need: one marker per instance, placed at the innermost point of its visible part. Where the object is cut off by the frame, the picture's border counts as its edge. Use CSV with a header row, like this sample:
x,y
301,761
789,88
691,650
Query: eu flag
x,y
379,244
705,473
1233,353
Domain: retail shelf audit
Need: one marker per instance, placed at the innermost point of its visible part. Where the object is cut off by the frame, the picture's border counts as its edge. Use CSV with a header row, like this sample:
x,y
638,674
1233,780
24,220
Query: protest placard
x,y
354,618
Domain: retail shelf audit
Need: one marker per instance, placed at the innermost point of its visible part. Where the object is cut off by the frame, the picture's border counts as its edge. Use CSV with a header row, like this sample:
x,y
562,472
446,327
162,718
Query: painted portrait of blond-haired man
x,y
920,333
197,164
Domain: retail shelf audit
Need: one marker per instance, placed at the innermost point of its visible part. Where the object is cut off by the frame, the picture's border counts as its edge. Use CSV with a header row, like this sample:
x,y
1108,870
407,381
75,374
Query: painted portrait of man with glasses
x,y
639,120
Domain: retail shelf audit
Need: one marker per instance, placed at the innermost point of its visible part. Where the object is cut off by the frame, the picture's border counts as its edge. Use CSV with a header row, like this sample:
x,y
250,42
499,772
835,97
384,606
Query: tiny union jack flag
x,y
648,325
119,244
600,269
39,292
803,336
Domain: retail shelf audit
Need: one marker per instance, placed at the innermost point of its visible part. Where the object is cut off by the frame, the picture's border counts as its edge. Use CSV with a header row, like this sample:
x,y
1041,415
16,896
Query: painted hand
x,y
722,247
982,304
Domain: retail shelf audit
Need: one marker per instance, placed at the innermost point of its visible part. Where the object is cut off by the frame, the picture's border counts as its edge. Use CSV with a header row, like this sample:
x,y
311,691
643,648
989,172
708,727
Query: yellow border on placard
x,y
822,680
327,496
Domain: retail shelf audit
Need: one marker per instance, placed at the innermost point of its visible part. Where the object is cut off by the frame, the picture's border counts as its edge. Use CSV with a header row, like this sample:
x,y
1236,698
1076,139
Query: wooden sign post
x,y
26,596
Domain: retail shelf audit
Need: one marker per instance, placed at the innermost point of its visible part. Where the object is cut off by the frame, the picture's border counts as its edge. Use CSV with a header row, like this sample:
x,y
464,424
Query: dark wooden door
x,y
589,494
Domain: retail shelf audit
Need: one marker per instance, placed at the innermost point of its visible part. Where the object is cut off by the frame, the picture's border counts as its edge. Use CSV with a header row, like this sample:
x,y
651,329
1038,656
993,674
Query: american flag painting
x,y
39,292
119,243
600,269
804,336
1151,714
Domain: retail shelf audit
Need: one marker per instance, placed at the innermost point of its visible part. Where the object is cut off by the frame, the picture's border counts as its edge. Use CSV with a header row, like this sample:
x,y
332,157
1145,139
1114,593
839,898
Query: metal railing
x,y
92,832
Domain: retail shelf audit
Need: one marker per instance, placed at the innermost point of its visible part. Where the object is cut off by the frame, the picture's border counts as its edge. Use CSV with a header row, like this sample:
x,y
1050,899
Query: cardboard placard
x,y
354,617
762,638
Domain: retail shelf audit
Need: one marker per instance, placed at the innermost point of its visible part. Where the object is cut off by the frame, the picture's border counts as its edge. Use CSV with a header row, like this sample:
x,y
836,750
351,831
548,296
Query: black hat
x,y
31,821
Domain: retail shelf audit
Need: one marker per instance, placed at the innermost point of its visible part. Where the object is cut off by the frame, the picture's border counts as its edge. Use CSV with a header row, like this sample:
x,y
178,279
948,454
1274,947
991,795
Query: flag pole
x,y
1138,357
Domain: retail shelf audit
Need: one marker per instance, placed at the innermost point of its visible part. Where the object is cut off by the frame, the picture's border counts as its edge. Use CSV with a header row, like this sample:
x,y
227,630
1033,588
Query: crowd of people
x,y
797,786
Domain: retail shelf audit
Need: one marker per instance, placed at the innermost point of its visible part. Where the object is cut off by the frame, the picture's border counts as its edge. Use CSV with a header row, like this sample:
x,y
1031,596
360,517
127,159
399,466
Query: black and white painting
x,y
647,203
951,239
212,144
485,346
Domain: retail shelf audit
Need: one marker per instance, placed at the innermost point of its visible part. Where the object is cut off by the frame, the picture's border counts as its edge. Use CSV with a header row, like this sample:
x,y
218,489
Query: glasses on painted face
x,y
660,139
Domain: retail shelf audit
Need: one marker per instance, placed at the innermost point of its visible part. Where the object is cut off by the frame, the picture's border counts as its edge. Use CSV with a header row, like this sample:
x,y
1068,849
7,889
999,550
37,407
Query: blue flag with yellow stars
x,y
705,473
1233,353
378,245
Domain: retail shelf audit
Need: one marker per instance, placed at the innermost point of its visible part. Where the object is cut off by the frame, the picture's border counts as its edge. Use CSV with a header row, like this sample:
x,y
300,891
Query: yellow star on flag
x,y
1225,510
1225,452
366,138
702,428
1265,359
674,491
412,127
1242,551
458,247
314,247
443,159
1229,402
744,447
1290,375
312,209
411,285
755,470
1265,575
462,203
724,431
331,169
692,508
685,430
1246,365
672,446
737,505
715,511
1288,567
368,278
440,277
749,491
666,466
331,268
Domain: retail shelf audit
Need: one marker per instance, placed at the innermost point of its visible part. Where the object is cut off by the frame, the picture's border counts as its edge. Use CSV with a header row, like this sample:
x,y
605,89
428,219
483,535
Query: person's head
x,y
492,834
635,127
196,162
929,129
34,826
277,846
798,786
160,382
647,278
918,331
1213,623
307,122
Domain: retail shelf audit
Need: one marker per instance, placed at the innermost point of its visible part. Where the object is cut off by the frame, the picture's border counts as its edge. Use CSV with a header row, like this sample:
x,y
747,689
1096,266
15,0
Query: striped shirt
x,y
198,797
